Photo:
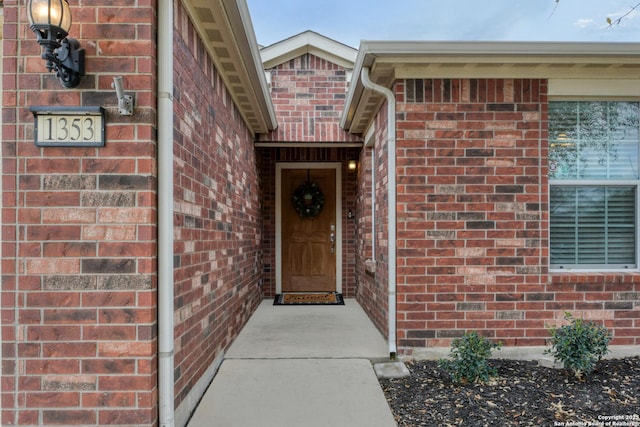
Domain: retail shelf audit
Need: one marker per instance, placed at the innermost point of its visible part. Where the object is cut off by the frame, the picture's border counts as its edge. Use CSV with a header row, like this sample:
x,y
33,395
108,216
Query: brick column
x,y
79,231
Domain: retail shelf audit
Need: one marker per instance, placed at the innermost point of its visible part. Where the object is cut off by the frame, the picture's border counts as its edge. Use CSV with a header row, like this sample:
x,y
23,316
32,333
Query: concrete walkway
x,y
300,366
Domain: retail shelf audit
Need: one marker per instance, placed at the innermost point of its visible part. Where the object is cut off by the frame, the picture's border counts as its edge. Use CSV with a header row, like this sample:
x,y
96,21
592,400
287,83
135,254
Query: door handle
x,y
332,238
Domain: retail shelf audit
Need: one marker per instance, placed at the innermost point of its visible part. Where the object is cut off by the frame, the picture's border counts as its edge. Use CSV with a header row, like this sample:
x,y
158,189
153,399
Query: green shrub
x,y
469,358
579,345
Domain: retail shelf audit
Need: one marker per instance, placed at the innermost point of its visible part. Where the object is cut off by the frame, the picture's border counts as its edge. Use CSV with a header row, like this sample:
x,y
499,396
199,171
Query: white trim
x,y
267,76
598,268
589,268
390,61
594,88
337,166
594,270
370,142
461,51
594,182
308,42
369,137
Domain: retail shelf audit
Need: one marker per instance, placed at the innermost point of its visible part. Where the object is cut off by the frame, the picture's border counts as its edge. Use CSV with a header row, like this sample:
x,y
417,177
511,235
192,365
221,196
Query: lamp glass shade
x,y
65,20
52,13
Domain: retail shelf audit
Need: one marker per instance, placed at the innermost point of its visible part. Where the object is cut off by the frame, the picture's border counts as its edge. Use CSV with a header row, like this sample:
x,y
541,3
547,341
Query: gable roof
x,y
308,42
391,60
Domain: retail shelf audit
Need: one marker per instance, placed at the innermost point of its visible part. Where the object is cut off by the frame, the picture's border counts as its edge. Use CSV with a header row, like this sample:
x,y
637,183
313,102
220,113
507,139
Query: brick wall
x,y
372,287
308,95
613,299
218,224
473,220
79,231
472,200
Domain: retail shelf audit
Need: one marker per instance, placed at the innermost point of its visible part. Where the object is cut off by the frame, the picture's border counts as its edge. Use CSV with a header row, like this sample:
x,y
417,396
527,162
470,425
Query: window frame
x,y
558,268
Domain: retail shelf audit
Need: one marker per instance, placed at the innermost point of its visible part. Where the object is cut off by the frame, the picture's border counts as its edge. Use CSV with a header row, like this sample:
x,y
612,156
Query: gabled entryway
x,y
308,192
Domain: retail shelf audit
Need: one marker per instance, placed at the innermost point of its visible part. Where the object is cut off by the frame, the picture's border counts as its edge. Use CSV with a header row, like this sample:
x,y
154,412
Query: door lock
x,y
332,238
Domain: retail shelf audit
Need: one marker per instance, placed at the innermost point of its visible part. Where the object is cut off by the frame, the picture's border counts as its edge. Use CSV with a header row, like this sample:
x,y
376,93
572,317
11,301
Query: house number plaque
x,y
68,126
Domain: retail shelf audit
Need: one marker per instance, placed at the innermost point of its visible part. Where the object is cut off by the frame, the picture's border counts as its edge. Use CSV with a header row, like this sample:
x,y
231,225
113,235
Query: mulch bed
x,y
523,394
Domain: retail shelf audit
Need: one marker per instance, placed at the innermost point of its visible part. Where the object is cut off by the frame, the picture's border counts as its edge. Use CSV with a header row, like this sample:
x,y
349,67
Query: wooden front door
x,y
308,244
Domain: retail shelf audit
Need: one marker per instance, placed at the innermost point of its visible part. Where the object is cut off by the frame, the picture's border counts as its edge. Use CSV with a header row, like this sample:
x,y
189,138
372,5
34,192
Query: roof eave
x,y
308,42
227,33
391,60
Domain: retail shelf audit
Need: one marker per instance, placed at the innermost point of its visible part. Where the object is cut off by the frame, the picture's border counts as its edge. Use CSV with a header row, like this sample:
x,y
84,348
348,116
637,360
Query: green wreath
x,y
308,200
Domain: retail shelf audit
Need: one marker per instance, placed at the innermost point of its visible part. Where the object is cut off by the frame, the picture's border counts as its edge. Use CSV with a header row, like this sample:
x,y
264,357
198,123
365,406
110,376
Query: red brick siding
x,y
218,258
473,220
308,95
613,299
472,200
79,232
372,289
268,159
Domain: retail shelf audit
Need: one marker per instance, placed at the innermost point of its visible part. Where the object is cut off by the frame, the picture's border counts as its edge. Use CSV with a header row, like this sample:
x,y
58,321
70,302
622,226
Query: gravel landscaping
x,y
523,394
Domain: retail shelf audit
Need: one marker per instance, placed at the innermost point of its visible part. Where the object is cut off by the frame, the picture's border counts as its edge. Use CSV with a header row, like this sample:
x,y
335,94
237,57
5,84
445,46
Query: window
x,y
594,180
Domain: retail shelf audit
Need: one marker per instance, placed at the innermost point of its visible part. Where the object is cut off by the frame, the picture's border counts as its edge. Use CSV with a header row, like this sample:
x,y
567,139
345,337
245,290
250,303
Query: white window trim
x,y
594,268
569,96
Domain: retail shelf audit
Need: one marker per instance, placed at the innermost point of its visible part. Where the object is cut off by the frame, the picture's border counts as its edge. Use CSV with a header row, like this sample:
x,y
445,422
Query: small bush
x,y
469,358
579,345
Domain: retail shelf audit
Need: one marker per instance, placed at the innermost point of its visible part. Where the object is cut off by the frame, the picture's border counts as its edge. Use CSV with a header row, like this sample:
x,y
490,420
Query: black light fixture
x,y
51,20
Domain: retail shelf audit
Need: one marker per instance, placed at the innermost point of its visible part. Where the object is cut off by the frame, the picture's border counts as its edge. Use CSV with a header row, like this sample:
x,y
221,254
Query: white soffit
x,y
501,59
226,30
392,60
308,42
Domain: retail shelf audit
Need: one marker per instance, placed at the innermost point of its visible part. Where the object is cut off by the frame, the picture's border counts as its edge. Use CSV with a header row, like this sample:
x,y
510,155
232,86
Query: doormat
x,y
309,298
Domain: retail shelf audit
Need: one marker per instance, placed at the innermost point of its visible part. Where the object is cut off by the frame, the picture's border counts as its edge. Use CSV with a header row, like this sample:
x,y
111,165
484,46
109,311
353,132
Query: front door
x,y
309,231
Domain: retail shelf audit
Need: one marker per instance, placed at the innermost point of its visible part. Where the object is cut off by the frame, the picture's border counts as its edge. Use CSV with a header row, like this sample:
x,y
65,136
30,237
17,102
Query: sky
x,y
350,21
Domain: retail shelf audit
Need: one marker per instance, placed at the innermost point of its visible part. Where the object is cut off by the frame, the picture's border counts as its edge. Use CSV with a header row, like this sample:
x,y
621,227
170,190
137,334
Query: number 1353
x,y
85,130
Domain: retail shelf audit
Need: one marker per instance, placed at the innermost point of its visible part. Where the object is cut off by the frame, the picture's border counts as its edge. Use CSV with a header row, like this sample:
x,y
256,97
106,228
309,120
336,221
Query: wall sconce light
x,y
352,165
51,20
